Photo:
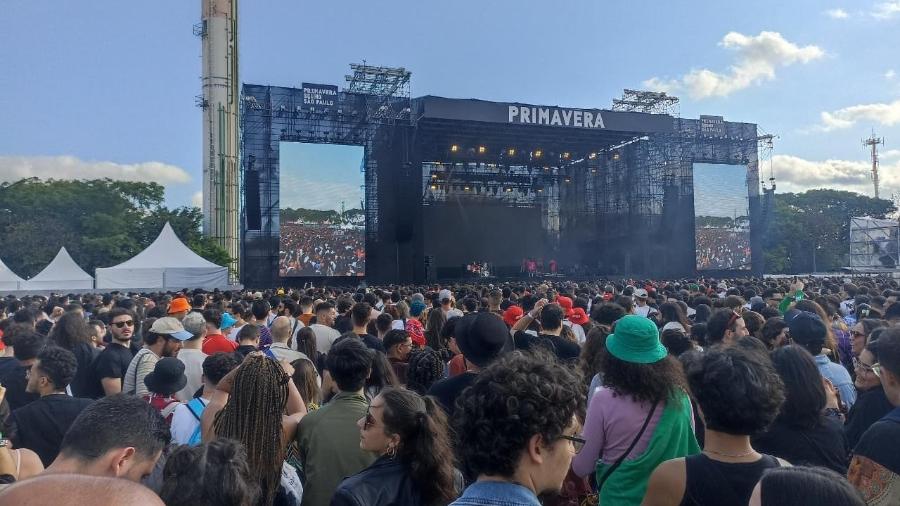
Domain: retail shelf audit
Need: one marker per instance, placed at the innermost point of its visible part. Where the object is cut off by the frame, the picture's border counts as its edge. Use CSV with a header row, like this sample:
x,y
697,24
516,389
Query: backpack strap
x,y
169,409
196,407
621,459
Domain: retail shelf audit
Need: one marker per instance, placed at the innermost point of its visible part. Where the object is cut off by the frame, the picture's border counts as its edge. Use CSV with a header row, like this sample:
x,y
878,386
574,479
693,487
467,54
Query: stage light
x,y
508,190
434,176
482,150
454,148
616,155
567,179
434,187
467,188
593,155
565,155
538,153
593,170
511,152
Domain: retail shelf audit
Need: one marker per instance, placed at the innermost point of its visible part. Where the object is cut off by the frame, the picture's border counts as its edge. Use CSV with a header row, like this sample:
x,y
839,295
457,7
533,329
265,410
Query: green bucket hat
x,y
636,340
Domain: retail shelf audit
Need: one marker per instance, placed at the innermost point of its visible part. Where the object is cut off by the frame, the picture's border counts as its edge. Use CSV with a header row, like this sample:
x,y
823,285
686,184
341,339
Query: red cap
x,y
512,315
578,316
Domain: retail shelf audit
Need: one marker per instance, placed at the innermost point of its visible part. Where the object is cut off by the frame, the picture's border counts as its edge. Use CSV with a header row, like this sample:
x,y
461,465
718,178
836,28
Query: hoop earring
x,y
392,451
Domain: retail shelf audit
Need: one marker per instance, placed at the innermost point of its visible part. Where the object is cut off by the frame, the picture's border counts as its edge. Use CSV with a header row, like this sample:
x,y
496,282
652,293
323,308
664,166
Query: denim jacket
x,y
496,493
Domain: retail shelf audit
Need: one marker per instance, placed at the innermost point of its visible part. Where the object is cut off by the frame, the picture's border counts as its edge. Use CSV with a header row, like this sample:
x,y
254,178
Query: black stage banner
x,y
319,95
541,115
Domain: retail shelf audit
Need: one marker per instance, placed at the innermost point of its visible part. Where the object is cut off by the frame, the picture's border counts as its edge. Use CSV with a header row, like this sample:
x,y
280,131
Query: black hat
x,y
167,377
482,337
807,330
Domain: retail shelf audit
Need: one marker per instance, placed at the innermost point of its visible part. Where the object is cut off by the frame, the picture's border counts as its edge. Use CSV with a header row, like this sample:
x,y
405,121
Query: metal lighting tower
x,y
873,142
220,103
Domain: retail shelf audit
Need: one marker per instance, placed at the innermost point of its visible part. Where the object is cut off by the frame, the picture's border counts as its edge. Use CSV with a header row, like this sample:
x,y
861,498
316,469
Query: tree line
x,y
101,222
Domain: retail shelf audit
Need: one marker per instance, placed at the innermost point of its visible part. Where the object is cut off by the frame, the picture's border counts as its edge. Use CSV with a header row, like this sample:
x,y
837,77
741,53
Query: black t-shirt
x,y
870,406
13,378
822,446
563,348
41,425
111,363
880,442
372,342
343,324
244,350
446,391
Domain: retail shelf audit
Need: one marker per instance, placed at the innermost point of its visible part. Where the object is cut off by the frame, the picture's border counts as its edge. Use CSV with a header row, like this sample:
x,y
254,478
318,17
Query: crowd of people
x,y
722,248
321,250
692,392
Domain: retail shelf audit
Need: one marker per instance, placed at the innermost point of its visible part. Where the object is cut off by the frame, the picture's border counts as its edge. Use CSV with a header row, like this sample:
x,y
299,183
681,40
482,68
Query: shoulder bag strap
x,y
621,459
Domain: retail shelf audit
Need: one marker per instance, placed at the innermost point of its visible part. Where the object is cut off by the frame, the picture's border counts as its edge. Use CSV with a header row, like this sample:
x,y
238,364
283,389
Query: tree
x,y
814,228
100,222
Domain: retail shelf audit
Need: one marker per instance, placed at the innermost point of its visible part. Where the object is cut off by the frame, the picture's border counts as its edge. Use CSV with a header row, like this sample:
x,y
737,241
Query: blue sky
x,y
104,88
720,190
320,176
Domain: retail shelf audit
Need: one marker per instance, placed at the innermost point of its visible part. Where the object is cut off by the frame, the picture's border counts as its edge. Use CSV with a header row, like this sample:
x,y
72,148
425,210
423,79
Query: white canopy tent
x,y
61,274
9,281
167,264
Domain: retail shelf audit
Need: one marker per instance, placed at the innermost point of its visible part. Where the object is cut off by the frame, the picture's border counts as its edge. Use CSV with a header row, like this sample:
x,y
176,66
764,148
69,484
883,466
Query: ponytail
x,y
425,449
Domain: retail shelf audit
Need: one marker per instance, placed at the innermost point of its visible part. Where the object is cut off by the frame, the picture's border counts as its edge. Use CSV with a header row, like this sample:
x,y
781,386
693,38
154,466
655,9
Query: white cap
x,y
444,294
640,293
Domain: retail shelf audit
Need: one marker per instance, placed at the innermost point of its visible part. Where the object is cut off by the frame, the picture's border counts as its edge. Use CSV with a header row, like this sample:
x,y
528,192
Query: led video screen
x,y
322,221
721,217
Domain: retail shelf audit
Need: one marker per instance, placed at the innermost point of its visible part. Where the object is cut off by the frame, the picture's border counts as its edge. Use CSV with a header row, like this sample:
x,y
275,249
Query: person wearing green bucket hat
x,y
636,340
639,418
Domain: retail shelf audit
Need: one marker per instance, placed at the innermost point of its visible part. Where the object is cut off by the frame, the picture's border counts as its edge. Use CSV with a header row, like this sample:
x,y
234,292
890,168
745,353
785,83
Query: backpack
x,y
196,407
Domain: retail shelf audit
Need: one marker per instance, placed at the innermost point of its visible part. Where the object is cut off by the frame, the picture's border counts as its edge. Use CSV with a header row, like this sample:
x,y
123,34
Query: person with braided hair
x,y
409,433
425,368
258,405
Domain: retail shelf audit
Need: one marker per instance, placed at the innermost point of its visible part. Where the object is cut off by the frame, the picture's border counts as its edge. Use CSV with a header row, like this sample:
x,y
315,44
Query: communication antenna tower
x,y
873,142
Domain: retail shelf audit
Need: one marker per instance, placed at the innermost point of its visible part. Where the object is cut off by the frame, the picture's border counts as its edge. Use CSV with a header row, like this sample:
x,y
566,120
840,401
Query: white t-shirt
x,y
193,371
325,337
578,330
232,334
184,423
644,311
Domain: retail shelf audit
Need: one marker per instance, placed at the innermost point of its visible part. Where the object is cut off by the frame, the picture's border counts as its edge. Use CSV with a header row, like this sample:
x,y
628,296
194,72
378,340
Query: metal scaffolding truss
x,y
386,89
652,102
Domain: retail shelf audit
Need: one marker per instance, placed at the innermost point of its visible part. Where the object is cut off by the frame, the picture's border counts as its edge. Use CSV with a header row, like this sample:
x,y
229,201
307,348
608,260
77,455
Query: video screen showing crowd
x,y
323,230
322,249
721,217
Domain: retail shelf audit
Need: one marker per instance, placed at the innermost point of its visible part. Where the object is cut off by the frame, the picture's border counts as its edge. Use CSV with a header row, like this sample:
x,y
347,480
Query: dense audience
x,y
690,392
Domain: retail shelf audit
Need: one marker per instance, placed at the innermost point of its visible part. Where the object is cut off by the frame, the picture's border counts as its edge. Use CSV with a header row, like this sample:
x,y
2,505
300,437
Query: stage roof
x,y
510,124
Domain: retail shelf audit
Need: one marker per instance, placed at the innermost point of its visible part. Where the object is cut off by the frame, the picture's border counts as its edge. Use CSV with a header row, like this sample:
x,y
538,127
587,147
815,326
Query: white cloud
x,y
837,14
756,58
13,168
890,154
794,174
890,75
887,114
197,199
886,10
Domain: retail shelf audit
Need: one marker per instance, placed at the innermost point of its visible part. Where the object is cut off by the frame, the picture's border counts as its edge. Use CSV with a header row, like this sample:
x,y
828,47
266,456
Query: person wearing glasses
x,y
110,366
639,417
860,331
409,434
875,466
517,429
872,402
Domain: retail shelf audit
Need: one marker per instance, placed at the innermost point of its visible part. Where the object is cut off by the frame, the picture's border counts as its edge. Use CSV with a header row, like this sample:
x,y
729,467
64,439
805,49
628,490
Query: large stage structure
x,y
450,181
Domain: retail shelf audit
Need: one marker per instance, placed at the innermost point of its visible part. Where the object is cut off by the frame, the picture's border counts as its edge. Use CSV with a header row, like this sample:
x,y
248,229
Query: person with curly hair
x,y
739,393
640,417
409,433
213,474
517,429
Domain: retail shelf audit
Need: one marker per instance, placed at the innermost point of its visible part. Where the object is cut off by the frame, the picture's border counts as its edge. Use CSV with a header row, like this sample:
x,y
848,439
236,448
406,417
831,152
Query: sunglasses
x,y
126,323
577,441
370,421
856,333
